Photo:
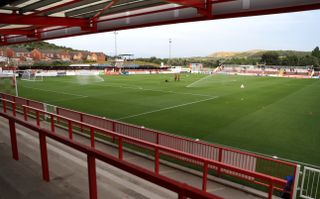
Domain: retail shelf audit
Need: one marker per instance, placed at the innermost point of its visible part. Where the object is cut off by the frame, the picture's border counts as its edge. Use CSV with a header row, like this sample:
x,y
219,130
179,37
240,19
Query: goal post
x,y
31,75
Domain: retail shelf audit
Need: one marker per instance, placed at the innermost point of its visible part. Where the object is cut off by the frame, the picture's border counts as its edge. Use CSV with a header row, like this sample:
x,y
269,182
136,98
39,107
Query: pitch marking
x,y
198,81
138,88
52,91
167,108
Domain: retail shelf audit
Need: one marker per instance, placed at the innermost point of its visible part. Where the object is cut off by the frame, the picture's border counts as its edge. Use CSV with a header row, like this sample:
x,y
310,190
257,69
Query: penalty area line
x,y
167,108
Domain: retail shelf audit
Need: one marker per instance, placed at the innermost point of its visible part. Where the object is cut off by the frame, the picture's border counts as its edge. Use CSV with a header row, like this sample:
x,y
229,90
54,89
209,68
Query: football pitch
x,y
274,116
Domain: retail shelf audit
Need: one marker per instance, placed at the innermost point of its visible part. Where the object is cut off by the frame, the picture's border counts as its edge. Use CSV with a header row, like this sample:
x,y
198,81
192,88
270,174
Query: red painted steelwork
x,y
190,3
110,128
271,181
96,16
87,29
42,20
183,190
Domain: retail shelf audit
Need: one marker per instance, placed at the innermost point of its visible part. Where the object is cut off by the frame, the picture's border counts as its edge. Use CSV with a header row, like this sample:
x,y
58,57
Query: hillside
x,y
43,46
255,54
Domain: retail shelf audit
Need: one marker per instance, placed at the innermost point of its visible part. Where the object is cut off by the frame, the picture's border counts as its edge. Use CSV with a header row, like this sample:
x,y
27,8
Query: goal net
x,y
88,77
8,82
31,75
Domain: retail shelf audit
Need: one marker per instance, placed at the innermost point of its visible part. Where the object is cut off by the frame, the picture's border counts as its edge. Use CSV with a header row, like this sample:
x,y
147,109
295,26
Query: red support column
x,y
4,106
92,137
220,160
114,130
157,138
156,160
25,114
70,129
14,109
120,148
181,195
13,137
92,177
205,176
81,119
270,190
38,118
52,124
44,157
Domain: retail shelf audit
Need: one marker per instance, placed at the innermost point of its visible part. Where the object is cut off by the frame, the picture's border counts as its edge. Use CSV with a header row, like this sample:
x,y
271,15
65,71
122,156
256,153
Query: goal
x,y
31,75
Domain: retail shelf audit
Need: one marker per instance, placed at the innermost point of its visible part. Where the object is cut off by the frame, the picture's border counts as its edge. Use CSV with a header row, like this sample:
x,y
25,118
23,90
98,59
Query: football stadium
x,y
116,127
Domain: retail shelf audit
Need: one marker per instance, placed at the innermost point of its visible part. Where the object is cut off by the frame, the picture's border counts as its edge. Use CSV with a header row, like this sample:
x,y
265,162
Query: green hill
x,y
256,54
43,45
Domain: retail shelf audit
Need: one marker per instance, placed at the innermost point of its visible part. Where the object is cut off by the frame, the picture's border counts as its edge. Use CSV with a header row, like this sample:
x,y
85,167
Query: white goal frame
x,y
32,75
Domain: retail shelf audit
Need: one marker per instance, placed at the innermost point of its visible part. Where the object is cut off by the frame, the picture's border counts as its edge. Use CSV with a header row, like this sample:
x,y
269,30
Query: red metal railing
x,y
243,174
241,159
183,190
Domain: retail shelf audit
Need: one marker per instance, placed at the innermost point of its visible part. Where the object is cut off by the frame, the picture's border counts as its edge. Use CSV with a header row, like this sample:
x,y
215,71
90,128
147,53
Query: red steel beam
x,y
109,5
16,32
190,3
41,20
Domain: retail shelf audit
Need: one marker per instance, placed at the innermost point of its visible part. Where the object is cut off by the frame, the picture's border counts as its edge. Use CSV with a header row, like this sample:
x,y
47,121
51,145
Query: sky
x,y
293,31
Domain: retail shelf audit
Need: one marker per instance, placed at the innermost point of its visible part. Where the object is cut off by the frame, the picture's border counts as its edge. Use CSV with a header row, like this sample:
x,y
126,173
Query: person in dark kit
x,y
175,77
287,188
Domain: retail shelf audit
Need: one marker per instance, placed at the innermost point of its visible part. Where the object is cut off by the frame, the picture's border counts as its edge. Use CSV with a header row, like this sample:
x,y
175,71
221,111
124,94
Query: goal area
x,y
31,75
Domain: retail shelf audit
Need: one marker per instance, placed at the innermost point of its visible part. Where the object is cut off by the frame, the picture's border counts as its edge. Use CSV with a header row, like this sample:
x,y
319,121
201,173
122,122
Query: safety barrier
x,y
183,190
234,158
237,158
271,182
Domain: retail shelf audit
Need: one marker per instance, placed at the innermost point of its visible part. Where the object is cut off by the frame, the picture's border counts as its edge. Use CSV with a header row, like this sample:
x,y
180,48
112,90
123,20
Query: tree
x,y
290,60
270,58
308,61
316,52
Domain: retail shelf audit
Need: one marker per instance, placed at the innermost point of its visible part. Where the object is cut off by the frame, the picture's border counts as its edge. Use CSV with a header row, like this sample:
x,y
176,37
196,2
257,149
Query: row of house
x,y
22,54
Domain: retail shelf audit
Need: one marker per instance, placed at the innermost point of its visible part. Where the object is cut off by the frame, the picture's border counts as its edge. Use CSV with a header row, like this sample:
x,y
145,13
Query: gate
x,y
310,186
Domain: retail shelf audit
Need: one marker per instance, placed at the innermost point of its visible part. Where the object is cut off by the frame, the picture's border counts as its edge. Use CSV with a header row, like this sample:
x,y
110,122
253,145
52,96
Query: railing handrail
x,y
204,160
252,176
30,100
184,138
174,136
271,179
160,180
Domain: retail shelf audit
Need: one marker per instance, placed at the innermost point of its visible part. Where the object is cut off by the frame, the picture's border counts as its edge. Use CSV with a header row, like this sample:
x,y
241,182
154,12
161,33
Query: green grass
x,y
275,116
6,85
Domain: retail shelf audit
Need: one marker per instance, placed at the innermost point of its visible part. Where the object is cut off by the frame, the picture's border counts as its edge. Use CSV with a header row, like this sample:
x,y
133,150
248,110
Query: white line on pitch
x,y
52,91
155,90
198,80
137,88
195,94
167,108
